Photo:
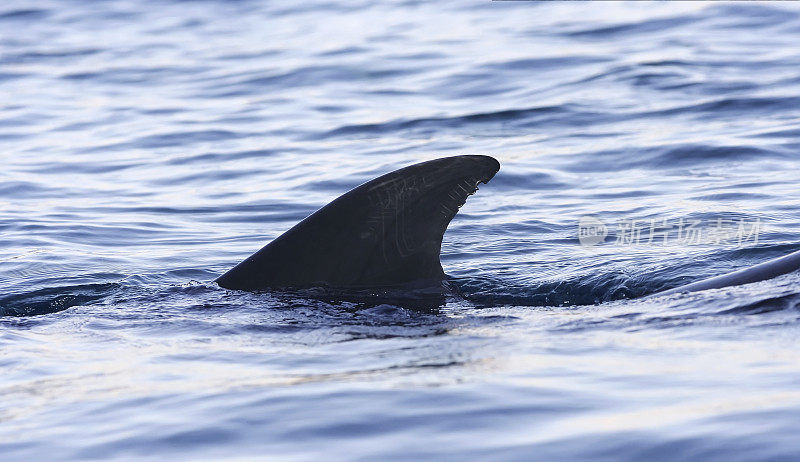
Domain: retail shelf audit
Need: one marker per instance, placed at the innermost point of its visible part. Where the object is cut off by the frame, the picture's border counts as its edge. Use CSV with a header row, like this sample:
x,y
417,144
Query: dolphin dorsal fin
x,y
386,232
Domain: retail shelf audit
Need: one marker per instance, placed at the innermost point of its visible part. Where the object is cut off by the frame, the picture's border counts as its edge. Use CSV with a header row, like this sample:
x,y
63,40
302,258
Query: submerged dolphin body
x,y
388,233
761,272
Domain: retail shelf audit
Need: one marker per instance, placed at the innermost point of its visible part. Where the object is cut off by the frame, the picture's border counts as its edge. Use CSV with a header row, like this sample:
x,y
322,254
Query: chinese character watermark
x,y
665,232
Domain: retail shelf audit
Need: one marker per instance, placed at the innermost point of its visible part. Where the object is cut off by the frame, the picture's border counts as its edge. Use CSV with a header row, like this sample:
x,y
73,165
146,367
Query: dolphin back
x,y
761,272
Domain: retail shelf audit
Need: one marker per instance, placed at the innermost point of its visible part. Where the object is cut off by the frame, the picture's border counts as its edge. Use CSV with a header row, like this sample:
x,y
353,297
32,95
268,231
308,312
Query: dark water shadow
x,y
53,299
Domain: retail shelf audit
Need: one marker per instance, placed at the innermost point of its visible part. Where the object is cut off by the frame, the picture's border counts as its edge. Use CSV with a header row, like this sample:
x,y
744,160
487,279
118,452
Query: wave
x,y
53,299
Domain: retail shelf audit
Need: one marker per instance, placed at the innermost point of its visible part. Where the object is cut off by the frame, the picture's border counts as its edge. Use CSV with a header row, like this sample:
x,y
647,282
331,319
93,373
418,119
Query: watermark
x,y
670,231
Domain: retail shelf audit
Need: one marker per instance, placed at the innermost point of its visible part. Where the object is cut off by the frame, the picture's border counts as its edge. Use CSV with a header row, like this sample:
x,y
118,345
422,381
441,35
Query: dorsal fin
x,y
385,232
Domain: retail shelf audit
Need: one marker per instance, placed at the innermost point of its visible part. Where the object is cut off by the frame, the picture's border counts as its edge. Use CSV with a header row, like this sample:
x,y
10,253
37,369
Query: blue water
x,y
147,147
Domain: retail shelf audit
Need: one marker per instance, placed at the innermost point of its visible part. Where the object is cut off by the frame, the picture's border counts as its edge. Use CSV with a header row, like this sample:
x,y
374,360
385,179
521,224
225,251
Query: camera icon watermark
x,y
673,231
591,231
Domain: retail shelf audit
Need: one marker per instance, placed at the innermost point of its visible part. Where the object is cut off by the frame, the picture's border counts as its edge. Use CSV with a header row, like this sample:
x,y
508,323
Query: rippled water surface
x,y
148,147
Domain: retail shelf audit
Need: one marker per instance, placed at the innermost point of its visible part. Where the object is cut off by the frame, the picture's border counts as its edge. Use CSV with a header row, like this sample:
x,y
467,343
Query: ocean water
x,y
147,147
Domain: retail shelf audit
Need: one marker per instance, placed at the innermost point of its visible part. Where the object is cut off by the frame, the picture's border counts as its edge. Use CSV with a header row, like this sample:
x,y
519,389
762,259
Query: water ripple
x,y
148,149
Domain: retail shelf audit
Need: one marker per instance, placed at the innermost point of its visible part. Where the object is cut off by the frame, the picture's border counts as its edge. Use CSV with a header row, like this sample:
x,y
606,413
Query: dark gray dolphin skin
x,y
386,232
761,272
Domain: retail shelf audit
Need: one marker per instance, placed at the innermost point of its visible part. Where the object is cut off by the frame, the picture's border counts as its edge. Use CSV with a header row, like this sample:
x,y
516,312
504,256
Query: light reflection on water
x,y
148,149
